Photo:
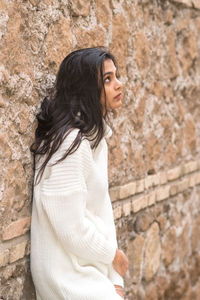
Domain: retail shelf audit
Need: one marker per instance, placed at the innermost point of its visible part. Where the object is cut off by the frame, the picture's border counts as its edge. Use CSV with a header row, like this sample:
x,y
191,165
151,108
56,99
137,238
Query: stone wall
x,y
154,166
158,226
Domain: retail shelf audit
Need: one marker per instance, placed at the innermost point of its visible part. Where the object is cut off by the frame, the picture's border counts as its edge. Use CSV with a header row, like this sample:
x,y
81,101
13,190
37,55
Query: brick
x,y
198,178
152,180
16,228
148,182
183,185
163,177
174,173
198,161
192,180
114,194
173,189
139,186
127,190
151,198
155,179
117,211
139,203
126,208
196,3
186,2
190,167
162,193
17,252
4,258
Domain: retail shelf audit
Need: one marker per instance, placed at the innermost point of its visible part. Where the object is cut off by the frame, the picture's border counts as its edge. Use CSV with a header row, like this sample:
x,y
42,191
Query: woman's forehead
x,y
109,66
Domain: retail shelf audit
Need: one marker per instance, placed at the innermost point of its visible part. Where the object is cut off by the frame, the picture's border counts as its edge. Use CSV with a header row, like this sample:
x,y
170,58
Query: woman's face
x,y
113,87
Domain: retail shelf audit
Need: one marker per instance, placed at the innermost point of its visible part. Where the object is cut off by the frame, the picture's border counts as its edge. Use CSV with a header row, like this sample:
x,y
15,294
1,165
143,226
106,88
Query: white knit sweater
x,y
73,238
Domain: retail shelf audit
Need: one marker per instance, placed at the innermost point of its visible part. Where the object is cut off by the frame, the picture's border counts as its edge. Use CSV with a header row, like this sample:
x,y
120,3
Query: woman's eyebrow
x,y
108,73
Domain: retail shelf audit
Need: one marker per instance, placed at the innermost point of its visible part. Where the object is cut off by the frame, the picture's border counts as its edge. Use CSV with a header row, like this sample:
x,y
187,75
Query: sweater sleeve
x,y
108,218
63,196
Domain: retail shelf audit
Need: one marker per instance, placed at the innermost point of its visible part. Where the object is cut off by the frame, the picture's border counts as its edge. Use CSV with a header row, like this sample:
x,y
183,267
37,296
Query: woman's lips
x,y
118,96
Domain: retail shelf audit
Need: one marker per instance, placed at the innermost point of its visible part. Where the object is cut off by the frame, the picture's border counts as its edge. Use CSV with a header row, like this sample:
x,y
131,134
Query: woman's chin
x,y
117,105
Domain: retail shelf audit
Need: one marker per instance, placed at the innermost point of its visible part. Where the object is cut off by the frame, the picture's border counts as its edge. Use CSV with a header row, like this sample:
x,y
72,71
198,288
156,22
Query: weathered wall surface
x,y
154,152
158,225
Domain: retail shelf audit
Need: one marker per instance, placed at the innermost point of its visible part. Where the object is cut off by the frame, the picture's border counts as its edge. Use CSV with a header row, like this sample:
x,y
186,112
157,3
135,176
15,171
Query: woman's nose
x,y
118,84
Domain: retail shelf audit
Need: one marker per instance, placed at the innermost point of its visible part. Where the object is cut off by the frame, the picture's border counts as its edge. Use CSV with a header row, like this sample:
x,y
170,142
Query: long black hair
x,y
73,103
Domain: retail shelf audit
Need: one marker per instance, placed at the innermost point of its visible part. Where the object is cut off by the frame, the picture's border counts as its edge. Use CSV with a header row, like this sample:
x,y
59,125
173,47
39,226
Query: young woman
x,y
74,253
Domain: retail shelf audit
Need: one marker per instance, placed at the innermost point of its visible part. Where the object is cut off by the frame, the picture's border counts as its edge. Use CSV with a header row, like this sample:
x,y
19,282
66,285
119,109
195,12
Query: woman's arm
x,y
73,229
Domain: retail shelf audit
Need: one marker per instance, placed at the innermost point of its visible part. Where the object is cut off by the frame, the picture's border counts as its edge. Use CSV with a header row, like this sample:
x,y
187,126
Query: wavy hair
x,y
74,102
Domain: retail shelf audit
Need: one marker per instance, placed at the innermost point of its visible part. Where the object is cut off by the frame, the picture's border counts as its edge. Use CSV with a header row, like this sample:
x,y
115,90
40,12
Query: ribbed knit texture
x,y
73,238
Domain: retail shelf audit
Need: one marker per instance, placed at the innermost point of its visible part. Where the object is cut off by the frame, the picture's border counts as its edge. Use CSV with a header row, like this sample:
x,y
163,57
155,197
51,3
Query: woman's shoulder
x,y
83,144
70,135
81,151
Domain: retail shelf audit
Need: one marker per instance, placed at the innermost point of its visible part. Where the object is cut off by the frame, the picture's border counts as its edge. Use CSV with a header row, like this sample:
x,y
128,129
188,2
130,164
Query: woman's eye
x,y
107,79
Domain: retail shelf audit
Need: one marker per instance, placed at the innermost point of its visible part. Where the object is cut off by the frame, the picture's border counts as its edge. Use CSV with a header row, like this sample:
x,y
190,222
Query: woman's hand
x,y
119,290
120,262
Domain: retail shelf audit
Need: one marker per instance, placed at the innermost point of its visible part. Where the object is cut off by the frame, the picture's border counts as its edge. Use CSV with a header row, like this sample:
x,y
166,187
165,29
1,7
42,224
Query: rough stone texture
x,y
169,246
4,257
119,43
164,251
16,228
104,13
80,8
15,192
190,135
171,54
142,58
58,32
17,252
135,256
153,153
143,222
152,252
90,37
